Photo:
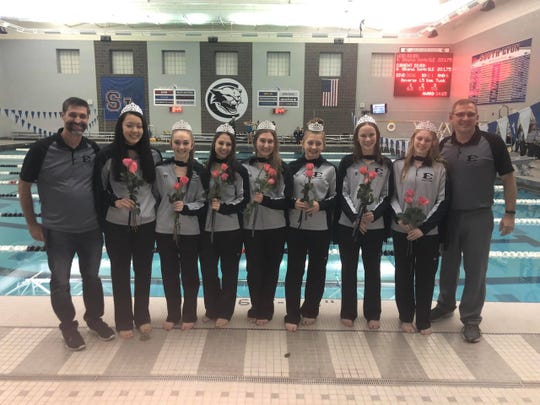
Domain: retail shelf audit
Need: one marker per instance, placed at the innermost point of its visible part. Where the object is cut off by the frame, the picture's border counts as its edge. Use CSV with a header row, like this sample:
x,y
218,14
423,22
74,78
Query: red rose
x,y
422,201
310,166
363,170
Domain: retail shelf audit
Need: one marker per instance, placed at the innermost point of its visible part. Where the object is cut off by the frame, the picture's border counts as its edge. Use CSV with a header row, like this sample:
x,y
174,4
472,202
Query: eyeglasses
x,y
465,114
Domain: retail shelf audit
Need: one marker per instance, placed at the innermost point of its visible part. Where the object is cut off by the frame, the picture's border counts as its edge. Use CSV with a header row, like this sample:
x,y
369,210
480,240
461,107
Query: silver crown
x,y
181,125
366,118
266,125
315,127
225,128
131,107
427,125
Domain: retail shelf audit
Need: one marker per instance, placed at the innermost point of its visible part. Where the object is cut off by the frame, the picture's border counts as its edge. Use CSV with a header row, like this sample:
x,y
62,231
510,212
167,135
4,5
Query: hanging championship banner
x,y
117,92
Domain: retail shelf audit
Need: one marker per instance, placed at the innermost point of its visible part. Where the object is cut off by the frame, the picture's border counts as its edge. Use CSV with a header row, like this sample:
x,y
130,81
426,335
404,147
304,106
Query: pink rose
x,y
409,193
272,172
133,166
310,166
271,181
184,180
224,166
363,170
127,161
422,201
372,175
408,199
267,167
177,186
309,173
215,174
224,176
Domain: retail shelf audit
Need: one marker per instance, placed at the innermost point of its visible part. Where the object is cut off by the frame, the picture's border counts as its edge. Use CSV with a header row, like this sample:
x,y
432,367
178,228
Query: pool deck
x,y
326,363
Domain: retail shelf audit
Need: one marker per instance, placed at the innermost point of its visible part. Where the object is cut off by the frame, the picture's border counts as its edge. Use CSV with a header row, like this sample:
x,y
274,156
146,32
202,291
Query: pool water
x,y
513,276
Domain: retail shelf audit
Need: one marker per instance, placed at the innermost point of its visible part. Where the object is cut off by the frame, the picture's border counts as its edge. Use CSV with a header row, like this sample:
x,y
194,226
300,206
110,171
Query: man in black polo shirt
x,y
62,165
474,159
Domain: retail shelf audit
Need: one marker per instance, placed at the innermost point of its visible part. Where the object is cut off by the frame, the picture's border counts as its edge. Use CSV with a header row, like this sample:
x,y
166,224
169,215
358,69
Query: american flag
x,y
329,92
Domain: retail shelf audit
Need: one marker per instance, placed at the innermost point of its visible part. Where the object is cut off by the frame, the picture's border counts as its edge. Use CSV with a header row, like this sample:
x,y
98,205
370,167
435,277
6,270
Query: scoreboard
x,y
423,74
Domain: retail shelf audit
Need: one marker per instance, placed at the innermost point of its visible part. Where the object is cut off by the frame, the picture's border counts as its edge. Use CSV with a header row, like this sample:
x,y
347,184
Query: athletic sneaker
x,y
438,313
73,339
103,330
471,333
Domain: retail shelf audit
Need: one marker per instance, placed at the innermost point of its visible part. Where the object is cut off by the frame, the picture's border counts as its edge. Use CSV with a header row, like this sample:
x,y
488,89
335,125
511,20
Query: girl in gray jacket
x,y
181,185
420,204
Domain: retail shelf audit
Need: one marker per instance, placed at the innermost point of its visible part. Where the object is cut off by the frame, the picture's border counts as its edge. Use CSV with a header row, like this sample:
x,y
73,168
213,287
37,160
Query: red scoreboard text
x,y
423,74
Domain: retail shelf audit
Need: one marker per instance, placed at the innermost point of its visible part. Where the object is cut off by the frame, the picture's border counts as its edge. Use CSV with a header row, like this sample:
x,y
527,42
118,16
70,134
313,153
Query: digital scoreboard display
x,y
423,74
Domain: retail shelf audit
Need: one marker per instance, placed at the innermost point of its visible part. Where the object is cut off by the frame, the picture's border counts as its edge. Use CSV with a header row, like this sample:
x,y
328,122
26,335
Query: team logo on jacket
x,y
226,99
427,177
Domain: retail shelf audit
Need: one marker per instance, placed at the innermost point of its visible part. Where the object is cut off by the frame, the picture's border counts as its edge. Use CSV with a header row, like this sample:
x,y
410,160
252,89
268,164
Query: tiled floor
x,y
325,363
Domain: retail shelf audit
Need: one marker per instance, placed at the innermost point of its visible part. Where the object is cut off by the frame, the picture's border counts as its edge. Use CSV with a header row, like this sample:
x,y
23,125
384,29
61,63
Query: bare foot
x,y
145,328
168,325
374,324
206,319
426,332
251,320
187,325
291,327
221,322
261,322
308,321
125,334
407,327
347,322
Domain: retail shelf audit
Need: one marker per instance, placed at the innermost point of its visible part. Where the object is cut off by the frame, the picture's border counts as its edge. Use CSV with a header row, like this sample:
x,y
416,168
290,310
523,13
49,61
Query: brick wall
x,y
208,76
337,119
103,60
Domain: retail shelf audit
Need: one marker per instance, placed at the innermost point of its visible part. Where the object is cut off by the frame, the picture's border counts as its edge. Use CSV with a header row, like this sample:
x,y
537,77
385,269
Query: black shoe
x,y
103,330
438,313
471,333
73,339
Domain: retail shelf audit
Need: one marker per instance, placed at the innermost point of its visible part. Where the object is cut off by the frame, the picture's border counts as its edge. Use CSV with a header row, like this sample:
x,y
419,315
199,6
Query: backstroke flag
x,y
329,92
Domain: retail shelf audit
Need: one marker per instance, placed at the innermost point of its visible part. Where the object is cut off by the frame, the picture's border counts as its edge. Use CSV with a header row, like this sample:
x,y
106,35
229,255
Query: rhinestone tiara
x,y
427,125
315,127
181,125
226,128
131,107
266,125
366,118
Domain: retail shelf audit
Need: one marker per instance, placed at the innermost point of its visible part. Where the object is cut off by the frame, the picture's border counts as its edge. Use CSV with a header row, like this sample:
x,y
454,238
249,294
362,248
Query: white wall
x,y
293,117
517,30
161,118
30,81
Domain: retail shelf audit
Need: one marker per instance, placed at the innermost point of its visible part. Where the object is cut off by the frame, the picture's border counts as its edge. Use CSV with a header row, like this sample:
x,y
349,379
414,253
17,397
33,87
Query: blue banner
x,y
117,92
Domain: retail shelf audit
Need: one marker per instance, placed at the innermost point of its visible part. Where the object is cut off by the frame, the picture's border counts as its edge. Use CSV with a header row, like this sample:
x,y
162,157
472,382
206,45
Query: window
x,y
68,61
122,62
330,65
278,63
382,64
227,63
174,62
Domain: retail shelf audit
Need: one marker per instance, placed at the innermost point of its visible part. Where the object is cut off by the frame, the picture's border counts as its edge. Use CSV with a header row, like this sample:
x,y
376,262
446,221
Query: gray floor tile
x,y
309,355
223,353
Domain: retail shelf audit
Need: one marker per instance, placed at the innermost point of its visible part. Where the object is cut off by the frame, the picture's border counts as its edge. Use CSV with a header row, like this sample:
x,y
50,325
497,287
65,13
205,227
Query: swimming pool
x,y
513,276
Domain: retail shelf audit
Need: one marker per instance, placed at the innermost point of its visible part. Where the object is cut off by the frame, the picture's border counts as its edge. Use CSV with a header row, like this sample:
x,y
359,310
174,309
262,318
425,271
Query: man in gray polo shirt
x,y
62,165
474,159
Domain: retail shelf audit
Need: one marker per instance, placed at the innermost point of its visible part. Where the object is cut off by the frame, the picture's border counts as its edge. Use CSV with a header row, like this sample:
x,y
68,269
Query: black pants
x,y
371,244
179,261
264,252
125,244
220,295
416,265
302,243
